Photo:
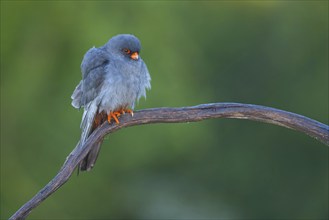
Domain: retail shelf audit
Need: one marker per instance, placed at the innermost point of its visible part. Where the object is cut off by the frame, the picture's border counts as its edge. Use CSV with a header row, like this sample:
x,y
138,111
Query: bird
x,y
114,78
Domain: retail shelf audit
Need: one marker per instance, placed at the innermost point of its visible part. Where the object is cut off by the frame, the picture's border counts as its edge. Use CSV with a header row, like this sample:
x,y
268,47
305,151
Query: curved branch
x,y
290,120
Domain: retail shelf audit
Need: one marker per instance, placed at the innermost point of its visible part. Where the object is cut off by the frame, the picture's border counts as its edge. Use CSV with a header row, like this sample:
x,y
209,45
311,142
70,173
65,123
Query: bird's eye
x,y
127,51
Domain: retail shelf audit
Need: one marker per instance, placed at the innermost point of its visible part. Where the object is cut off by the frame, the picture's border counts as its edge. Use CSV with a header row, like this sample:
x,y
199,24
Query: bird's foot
x,y
113,115
116,114
123,111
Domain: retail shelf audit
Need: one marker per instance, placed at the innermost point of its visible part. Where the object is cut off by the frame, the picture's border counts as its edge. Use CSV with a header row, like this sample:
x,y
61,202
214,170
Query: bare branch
x,y
290,120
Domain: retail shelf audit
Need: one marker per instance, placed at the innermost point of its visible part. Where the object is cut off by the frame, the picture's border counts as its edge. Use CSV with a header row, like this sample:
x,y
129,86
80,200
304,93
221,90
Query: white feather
x,y
87,120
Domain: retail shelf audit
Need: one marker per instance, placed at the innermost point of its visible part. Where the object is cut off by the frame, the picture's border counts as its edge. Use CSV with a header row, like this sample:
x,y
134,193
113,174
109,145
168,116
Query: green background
x,y
271,53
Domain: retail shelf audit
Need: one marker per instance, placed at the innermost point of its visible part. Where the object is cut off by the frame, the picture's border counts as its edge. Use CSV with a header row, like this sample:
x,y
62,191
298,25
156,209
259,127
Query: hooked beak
x,y
134,56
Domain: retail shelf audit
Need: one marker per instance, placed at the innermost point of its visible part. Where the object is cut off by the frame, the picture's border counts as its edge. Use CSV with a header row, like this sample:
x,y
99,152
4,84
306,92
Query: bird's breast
x,y
120,89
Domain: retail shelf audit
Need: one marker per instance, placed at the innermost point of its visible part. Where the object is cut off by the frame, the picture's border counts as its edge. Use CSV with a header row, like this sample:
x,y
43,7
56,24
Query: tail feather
x,y
90,121
87,121
90,111
89,161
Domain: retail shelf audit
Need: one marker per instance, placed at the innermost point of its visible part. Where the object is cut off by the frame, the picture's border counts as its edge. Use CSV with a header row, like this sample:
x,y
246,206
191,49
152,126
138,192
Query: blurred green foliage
x,y
272,53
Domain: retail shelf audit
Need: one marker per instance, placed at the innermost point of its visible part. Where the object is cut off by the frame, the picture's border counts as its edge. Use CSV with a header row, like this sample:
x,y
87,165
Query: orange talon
x,y
113,115
130,112
116,114
122,111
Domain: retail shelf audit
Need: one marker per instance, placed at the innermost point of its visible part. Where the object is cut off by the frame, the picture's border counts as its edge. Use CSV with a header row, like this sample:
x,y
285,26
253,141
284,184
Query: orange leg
x,y
113,115
116,114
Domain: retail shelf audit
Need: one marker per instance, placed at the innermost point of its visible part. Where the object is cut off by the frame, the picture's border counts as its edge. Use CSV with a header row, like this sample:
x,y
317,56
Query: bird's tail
x,y
91,119
89,161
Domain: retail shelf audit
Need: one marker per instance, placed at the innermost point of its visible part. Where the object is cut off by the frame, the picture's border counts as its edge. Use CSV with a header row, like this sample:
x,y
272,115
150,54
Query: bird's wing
x,y
92,68
86,93
76,96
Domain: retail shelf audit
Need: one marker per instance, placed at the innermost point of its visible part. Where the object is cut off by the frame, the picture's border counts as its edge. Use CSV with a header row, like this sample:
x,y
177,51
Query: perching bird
x,y
114,77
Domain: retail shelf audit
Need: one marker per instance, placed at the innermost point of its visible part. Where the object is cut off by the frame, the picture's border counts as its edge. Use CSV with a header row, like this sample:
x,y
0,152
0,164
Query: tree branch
x,y
286,119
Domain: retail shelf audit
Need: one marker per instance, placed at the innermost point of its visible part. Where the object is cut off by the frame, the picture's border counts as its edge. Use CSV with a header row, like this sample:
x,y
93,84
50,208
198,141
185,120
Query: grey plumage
x,y
111,80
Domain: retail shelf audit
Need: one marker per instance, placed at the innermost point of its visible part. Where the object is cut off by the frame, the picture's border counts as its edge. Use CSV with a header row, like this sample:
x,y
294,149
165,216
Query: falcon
x,y
114,77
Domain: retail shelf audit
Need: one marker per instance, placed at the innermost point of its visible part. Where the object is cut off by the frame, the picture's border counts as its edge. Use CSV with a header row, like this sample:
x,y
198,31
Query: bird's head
x,y
126,45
